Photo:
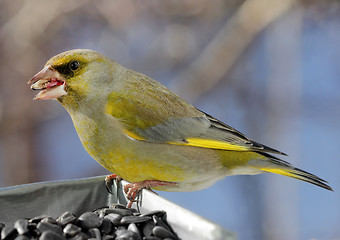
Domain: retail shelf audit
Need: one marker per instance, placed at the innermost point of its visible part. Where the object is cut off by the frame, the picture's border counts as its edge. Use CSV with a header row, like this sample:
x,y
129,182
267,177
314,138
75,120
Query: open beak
x,y
50,83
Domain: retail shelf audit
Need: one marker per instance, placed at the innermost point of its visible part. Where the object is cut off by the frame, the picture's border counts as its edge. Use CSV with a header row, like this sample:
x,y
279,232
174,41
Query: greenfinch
x,y
142,132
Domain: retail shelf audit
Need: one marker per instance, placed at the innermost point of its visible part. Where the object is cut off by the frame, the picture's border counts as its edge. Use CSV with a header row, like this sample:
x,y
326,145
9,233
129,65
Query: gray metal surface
x,y
78,196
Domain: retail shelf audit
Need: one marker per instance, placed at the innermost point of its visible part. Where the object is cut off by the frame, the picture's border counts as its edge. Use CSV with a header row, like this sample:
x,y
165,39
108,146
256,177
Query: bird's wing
x,y
163,117
205,131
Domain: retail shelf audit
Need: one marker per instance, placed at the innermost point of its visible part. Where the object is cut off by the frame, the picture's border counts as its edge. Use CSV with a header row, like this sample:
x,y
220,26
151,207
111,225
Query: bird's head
x,y
69,76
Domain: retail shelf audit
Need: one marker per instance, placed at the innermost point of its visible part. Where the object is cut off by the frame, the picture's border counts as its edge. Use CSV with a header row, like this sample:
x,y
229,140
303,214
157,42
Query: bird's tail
x,y
284,168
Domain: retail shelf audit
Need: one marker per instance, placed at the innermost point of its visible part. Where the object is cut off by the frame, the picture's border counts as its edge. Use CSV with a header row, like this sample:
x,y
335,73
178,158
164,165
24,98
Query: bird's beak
x,y
50,82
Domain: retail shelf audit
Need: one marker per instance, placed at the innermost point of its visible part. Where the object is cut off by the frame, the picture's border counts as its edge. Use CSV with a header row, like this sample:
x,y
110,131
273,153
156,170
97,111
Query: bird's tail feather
x,y
284,168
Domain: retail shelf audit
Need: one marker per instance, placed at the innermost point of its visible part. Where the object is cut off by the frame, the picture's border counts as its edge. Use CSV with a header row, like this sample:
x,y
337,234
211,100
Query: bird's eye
x,y
74,65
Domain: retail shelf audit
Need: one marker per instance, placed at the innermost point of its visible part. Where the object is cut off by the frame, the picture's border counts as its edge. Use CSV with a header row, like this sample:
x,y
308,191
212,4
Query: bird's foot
x,y
109,181
132,189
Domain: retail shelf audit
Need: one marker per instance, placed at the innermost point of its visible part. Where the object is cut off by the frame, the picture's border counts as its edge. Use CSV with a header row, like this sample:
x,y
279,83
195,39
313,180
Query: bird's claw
x,y
109,181
132,189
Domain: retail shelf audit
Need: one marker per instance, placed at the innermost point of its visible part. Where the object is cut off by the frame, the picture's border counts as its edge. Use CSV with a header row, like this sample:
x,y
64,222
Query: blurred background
x,y
269,68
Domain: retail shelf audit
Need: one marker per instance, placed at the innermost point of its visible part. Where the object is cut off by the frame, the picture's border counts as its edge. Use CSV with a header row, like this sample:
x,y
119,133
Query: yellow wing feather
x,y
197,142
211,143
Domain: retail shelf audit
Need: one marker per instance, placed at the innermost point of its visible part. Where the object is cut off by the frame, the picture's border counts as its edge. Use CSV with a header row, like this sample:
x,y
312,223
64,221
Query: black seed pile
x,y
113,222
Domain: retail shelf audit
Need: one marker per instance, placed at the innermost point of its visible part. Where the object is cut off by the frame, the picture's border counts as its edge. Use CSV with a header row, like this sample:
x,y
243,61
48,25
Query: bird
x,y
144,133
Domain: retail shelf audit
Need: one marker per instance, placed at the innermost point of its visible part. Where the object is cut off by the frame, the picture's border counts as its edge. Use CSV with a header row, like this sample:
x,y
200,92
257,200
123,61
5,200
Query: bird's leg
x,y
132,189
109,181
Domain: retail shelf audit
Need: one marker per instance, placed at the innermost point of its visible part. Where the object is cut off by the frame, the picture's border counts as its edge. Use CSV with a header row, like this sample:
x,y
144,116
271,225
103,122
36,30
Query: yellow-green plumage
x,y
138,129
140,103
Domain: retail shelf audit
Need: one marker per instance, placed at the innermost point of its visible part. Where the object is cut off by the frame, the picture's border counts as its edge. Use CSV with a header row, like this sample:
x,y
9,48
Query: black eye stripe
x,y
74,65
70,68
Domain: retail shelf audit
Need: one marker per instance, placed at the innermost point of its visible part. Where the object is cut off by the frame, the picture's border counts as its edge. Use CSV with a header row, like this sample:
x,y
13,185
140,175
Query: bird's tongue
x,y
46,83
